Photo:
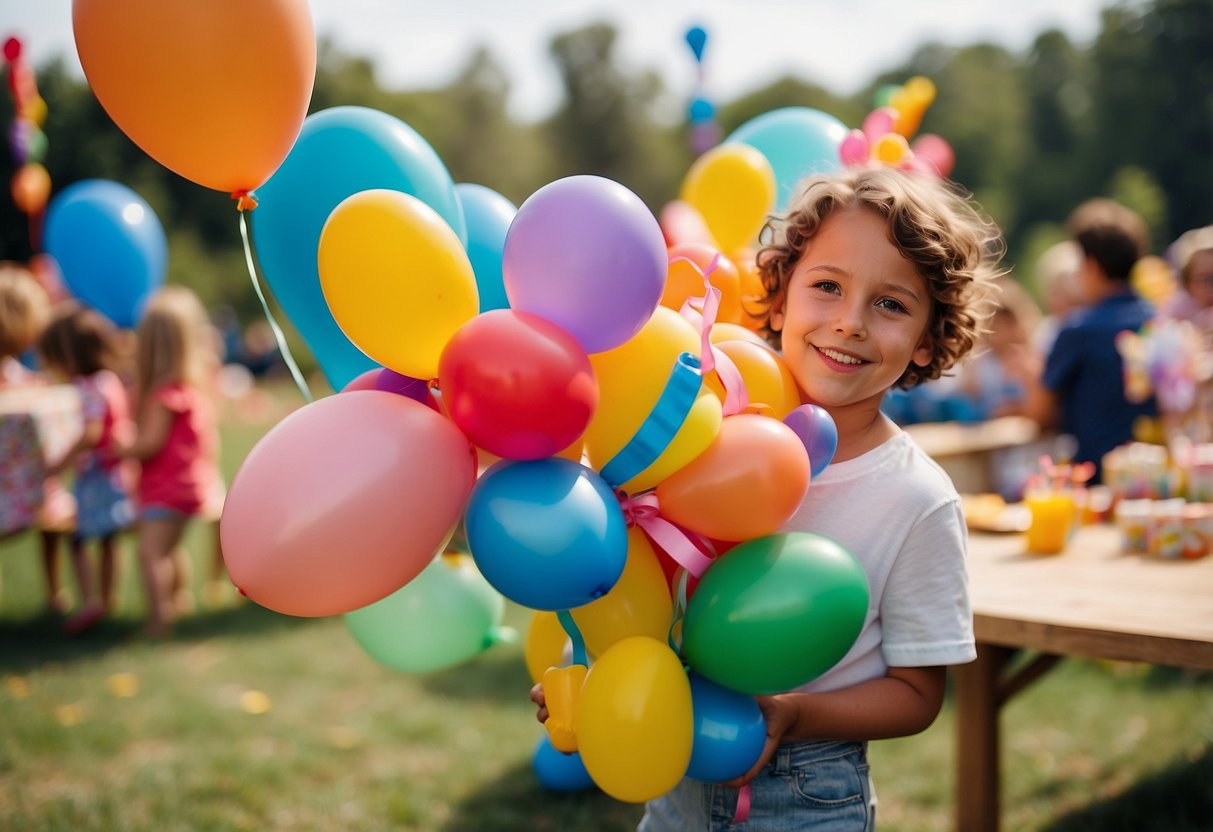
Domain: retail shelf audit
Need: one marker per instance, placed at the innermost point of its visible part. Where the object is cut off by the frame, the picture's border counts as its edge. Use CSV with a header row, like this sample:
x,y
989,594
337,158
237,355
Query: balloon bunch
x,y
705,129
31,184
1169,359
886,133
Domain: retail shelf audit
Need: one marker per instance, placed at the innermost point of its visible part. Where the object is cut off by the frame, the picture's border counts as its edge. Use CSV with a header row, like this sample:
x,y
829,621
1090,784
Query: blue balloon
x,y
558,772
547,533
797,141
730,732
339,152
109,245
488,216
702,110
815,428
697,38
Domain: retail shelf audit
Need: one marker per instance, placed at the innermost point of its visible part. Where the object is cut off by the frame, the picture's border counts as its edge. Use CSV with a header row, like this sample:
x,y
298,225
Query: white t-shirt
x,y
898,513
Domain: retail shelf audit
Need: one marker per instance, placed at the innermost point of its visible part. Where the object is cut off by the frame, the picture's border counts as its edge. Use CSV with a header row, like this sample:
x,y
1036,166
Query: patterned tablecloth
x,y
37,426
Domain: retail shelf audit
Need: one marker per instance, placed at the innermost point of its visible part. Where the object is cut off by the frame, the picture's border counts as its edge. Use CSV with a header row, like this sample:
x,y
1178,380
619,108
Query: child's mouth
x,y
840,361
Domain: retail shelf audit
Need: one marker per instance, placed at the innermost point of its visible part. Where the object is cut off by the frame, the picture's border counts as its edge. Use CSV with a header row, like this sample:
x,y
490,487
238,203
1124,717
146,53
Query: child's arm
x,y
904,701
88,440
154,427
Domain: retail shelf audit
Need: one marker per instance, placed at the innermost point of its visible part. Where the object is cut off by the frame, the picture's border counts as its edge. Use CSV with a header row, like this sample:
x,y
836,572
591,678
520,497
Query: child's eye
x,y
827,286
891,305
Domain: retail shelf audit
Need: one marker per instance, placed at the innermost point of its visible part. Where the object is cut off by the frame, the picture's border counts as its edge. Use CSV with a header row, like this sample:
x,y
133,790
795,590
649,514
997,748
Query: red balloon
x,y
517,385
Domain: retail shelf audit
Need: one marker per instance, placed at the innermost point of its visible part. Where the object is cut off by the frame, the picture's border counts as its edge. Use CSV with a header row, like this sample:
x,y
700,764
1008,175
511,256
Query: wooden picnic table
x,y
1092,600
967,450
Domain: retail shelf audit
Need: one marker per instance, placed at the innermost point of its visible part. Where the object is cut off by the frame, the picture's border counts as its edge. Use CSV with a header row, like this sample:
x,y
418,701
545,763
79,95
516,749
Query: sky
x,y
838,44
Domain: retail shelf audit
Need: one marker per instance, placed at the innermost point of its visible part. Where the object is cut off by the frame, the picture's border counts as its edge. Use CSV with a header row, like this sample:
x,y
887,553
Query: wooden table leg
x,y
977,753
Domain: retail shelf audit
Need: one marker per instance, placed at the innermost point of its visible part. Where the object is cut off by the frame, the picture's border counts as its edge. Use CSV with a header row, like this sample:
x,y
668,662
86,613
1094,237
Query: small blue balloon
x,y
697,38
817,432
797,141
701,110
547,534
109,246
488,216
730,732
339,152
558,772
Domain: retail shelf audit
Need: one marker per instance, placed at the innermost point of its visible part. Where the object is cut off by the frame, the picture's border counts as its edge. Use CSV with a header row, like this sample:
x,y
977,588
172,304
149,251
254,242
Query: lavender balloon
x,y
585,253
817,431
390,381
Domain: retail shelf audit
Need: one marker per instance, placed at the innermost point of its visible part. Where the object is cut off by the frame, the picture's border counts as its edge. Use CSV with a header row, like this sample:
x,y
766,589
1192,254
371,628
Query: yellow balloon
x,y
544,644
767,379
733,188
891,148
634,722
631,378
396,278
639,603
724,331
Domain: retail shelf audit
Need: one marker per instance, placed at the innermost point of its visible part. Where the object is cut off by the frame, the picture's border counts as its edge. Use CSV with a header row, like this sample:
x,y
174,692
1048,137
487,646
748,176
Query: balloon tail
x,y
265,308
575,638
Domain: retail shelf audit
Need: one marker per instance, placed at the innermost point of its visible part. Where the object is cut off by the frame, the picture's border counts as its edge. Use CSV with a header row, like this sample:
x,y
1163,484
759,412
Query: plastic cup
x,y
1052,515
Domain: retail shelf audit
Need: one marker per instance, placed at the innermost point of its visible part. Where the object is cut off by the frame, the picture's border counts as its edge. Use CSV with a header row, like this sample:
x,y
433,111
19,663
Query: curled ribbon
x,y
743,805
644,512
711,357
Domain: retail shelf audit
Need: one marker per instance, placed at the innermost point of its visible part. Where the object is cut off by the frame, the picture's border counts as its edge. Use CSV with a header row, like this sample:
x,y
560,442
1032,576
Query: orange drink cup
x,y
1052,515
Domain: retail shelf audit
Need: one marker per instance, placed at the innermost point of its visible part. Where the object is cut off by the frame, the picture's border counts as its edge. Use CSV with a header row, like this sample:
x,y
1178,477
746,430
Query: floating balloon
x,y
634,721
585,253
31,187
688,264
396,278
733,188
697,38
109,245
730,732
775,613
340,152
517,385
935,151
214,91
558,772
797,141
817,432
548,534
488,216
445,616
343,502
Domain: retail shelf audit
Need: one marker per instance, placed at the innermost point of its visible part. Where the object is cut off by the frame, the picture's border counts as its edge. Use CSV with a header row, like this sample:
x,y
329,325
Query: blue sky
x,y
840,44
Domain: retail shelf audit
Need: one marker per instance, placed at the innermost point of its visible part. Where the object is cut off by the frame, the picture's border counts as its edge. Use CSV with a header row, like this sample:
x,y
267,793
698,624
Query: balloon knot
x,y
245,200
637,509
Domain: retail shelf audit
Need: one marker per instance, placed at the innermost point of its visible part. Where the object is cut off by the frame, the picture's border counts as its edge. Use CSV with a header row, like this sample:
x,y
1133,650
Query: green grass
x,y
348,745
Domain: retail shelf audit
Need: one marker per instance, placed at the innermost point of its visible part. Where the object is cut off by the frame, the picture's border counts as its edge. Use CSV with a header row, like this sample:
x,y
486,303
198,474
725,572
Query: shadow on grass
x,y
1177,799
29,643
516,802
498,675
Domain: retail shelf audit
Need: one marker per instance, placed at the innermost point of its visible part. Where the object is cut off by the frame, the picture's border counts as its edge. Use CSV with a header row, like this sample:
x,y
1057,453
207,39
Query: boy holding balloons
x,y
874,278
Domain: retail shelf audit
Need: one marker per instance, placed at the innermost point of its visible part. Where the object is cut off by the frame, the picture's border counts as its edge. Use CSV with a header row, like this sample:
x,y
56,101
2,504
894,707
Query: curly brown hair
x,y
935,225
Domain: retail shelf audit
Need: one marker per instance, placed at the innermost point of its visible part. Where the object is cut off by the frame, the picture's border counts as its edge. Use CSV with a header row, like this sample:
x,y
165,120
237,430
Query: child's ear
x,y
924,352
775,317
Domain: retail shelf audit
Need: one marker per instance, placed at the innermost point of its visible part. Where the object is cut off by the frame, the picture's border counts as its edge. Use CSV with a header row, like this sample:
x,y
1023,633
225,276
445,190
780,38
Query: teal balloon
x,y
443,617
775,612
797,141
488,216
109,246
339,152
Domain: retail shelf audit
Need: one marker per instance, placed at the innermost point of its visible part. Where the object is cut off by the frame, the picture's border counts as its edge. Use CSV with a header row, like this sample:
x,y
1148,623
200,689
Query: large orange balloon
x,y
215,91
747,484
684,281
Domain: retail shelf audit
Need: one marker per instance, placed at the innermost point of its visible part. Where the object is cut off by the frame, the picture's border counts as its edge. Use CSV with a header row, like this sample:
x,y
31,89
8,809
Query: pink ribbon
x,y
711,357
644,512
743,805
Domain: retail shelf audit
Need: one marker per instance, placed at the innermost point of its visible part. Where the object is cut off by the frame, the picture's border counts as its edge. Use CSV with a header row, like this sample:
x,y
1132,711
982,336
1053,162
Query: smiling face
x,y
854,315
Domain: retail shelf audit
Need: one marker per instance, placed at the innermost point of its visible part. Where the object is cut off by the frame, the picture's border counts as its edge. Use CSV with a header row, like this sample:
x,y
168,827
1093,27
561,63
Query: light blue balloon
x,y
797,141
339,152
730,732
559,772
109,245
547,533
488,216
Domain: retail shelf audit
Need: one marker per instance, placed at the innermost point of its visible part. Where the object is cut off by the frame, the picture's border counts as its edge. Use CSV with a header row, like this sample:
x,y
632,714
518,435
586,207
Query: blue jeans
x,y
821,786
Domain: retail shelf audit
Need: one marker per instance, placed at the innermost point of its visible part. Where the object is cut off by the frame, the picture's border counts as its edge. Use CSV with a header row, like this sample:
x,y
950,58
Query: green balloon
x,y
443,617
775,612
884,95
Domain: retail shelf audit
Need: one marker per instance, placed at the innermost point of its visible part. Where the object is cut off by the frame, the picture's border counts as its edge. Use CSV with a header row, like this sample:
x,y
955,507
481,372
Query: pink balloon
x,y
879,122
854,149
936,151
362,381
343,502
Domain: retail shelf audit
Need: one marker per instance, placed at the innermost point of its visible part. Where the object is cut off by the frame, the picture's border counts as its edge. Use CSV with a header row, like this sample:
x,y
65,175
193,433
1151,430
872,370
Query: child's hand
x,y
538,698
781,713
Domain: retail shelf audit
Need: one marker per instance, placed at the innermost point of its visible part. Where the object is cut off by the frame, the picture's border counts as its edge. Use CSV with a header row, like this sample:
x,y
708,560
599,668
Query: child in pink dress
x,y
81,345
177,444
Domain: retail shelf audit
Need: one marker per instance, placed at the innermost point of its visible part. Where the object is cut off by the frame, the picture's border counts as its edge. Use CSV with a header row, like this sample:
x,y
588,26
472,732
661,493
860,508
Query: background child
x,y
875,279
81,345
24,311
177,444
1193,254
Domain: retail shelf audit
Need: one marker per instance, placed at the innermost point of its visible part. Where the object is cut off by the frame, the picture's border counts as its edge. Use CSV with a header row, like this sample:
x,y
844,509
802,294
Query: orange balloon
x,y
683,281
722,332
747,484
753,310
215,91
768,381
31,188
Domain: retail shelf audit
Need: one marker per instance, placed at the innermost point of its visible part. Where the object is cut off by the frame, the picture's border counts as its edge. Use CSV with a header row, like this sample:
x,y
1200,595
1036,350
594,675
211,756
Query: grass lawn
x,y
246,719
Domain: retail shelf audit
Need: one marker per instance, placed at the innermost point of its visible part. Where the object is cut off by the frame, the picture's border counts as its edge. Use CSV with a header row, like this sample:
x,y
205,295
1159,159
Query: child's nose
x,y
851,321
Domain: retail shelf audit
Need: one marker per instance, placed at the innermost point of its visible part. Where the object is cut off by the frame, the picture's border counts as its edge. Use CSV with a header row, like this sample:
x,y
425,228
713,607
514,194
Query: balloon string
x,y
575,638
265,308
680,610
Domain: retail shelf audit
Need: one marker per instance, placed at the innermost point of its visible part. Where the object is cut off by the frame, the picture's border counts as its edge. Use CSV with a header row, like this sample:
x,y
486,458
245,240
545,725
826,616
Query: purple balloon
x,y
817,432
391,381
587,254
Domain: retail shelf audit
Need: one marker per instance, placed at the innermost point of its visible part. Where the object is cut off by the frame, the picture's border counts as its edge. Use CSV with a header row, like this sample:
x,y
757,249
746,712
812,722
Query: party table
x,y
966,450
1091,600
